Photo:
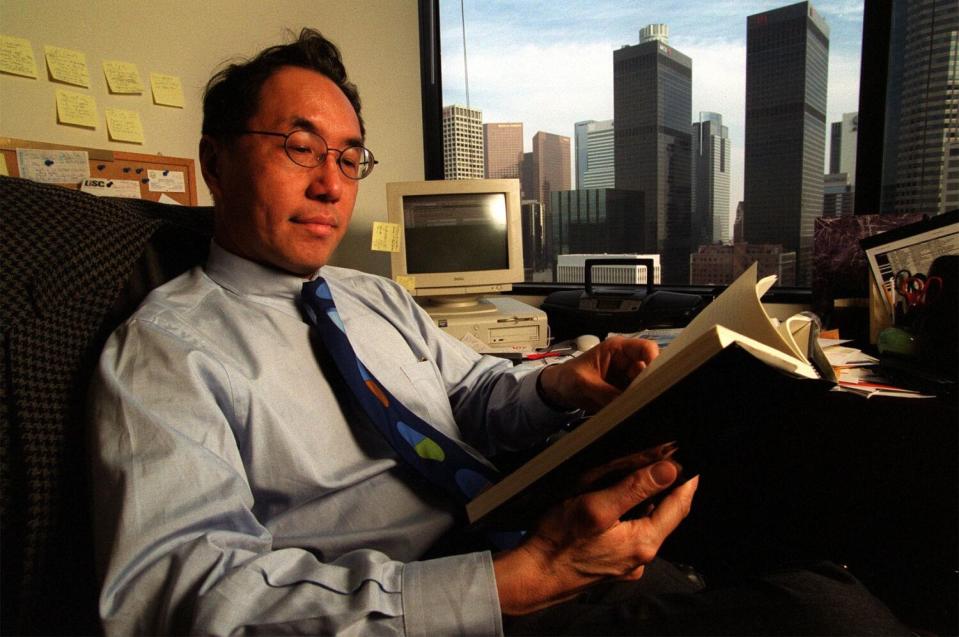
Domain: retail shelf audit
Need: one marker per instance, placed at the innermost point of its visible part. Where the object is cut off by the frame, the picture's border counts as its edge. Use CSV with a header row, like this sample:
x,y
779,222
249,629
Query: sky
x,y
549,64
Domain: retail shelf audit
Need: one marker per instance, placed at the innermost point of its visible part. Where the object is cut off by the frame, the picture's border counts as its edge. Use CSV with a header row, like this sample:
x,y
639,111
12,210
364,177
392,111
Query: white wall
x,y
378,38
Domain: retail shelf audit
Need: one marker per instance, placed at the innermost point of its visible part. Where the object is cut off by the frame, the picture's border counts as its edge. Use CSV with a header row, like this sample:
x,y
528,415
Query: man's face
x,y
269,209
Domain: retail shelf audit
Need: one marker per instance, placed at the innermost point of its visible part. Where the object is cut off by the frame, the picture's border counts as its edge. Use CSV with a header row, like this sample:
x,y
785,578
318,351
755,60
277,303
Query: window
x,y
702,127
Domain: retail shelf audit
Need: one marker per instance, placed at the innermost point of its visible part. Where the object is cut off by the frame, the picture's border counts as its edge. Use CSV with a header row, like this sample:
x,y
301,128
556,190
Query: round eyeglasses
x,y
309,150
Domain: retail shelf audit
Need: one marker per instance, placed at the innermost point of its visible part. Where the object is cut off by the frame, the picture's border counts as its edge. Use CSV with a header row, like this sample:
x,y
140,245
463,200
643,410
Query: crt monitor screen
x,y
455,232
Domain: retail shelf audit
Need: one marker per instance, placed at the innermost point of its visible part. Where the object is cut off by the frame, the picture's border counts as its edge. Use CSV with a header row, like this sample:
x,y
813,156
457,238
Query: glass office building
x,y
594,154
652,109
920,169
711,168
787,57
598,220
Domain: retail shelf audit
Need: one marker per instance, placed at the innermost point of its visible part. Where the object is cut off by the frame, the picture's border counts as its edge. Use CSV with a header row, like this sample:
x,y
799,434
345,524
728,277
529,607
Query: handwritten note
x,y
166,181
122,77
3,166
54,166
16,56
124,125
386,237
112,187
164,198
76,109
167,90
408,282
66,65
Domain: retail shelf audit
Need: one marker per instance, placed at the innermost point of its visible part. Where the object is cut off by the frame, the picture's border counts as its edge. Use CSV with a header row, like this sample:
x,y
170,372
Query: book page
x,y
797,332
739,309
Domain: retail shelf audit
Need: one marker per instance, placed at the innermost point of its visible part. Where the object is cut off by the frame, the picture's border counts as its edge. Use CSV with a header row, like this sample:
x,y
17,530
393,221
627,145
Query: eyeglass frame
x,y
339,151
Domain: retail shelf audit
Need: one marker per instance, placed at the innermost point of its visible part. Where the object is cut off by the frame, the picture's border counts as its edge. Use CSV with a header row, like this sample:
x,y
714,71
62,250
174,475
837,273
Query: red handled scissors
x,y
917,289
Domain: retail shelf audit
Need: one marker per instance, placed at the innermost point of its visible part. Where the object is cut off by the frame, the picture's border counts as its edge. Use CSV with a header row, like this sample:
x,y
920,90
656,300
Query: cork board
x,y
117,165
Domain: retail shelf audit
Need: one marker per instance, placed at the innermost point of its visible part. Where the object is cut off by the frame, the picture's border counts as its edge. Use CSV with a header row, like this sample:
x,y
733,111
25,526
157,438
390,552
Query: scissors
x,y
917,289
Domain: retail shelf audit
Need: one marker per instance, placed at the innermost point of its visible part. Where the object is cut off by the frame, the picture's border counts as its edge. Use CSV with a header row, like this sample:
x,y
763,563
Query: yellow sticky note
x,y
68,66
408,282
122,77
167,90
16,56
3,166
124,125
76,108
386,237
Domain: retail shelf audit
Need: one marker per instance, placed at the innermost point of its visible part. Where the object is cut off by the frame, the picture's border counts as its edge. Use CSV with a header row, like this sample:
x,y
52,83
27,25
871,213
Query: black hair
x,y
232,95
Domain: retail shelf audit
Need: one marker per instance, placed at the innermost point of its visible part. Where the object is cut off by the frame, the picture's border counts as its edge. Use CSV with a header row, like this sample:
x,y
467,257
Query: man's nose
x,y
327,179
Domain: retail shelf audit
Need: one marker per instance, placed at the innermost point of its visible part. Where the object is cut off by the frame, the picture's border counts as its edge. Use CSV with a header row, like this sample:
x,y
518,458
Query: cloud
x,y
547,87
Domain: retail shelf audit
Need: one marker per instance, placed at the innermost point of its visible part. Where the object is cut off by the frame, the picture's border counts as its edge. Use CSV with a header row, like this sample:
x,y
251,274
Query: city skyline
x,y
561,57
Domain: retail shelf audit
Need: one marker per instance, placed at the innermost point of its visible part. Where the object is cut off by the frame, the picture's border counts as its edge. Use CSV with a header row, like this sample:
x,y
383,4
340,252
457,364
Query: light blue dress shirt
x,y
237,487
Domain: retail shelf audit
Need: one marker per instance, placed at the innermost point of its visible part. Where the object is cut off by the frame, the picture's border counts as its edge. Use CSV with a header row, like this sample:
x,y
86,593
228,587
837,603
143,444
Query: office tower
x,y
550,167
710,196
920,166
527,190
652,109
835,147
738,223
842,146
462,142
838,198
594,221
503,148
594,154
536,266
787,57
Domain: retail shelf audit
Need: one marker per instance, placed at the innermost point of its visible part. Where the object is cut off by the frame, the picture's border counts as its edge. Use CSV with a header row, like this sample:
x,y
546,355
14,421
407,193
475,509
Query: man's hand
x,y
598,375
583,541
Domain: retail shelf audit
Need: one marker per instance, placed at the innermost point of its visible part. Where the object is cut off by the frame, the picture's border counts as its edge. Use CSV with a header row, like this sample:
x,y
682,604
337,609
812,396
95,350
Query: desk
x,y
868,483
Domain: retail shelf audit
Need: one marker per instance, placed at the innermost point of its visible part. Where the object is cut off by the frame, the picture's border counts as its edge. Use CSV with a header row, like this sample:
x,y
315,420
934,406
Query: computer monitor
x,y
459,240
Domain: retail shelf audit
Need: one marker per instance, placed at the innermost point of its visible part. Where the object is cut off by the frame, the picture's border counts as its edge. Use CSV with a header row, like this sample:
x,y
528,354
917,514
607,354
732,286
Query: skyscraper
x,y
838,190
594,154
920,168
595,220
503,148
710,197
652,108
842,146
550,166
462,142
787,57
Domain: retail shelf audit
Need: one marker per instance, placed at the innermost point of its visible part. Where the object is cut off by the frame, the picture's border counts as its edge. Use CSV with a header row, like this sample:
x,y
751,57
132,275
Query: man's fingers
x,y
606,507
674,508
616,469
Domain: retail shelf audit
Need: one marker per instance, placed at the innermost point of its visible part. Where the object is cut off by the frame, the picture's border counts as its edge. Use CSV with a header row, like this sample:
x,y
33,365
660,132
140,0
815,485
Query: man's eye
x,y
305,150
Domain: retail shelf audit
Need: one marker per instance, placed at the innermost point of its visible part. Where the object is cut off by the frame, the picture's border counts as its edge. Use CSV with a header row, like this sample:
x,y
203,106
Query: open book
x,y
735,318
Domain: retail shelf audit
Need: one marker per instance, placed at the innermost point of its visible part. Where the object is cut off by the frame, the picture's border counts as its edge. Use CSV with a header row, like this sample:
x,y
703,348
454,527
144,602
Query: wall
x,y
379,41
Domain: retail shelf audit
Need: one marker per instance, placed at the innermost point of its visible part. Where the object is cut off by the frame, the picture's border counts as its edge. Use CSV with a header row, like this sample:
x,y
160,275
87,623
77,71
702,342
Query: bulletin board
x,y
108,165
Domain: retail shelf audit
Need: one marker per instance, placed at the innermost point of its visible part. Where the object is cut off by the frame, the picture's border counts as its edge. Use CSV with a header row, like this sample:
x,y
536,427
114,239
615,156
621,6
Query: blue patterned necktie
x,y
439,458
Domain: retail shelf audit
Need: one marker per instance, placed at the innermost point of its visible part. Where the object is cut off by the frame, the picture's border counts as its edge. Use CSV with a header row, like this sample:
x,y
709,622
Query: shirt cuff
x,y
451,596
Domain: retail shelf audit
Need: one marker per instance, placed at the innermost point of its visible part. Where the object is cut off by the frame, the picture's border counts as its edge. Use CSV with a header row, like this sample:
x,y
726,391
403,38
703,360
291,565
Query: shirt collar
x,y
248,278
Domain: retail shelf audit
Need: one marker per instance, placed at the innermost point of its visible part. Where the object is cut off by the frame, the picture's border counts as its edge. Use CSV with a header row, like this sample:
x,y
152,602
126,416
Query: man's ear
x,y
211,154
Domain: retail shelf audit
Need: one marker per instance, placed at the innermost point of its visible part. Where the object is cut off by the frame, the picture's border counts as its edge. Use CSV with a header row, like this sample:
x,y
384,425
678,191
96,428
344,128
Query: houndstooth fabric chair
x,y
73,267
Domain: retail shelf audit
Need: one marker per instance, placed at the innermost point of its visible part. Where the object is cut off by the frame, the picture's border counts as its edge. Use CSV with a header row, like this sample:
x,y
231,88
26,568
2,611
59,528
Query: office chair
x,y
74,266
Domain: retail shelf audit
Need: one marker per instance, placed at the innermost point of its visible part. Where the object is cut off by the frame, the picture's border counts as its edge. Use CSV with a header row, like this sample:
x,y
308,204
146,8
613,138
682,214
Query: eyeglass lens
x,y
309,149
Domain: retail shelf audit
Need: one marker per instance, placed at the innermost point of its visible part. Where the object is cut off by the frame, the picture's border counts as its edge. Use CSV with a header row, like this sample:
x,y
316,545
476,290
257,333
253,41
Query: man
x,y
240,486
